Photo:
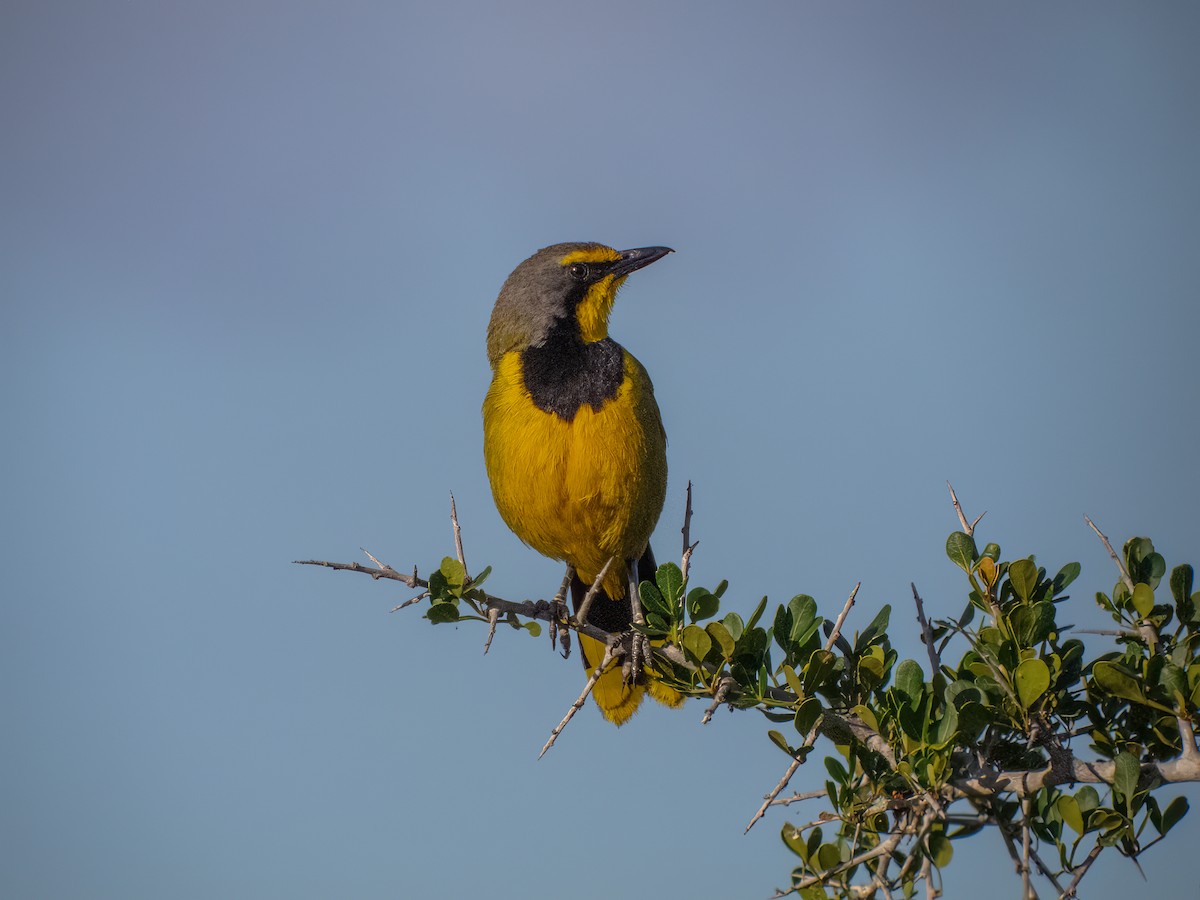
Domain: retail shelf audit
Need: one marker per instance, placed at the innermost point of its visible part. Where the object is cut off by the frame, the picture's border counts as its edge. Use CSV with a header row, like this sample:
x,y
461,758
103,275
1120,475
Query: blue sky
x,y
247,257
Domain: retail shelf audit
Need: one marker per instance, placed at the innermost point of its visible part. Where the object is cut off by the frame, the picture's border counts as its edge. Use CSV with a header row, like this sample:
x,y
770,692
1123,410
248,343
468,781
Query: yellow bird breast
x,y
582,490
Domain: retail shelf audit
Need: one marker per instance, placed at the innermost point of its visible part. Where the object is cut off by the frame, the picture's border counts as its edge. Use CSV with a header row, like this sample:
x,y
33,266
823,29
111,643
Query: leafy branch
x,y
917,759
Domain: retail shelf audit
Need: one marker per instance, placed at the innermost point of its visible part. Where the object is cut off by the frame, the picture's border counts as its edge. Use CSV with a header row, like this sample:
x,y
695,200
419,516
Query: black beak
x,y
632,260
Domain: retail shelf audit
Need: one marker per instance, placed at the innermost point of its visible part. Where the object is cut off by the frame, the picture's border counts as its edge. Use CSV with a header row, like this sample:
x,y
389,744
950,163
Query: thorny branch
x,y
926,633
969,529
978,779
811,737
688,547
605,664
1111,552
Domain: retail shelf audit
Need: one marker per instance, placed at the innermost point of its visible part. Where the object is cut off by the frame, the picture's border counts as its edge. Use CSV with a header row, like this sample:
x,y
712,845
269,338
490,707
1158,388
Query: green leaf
x,y
793,681
733,624
1126,774
757,614
670,582
1181,590
1088,798
1068,808
1022,575
1172,678
1118,681
867,715
534,629
836,770
454,572
819,668
992,552
945,727
696,642
781,628
442,612
910,680
973,717
1175,811
1031,680
1065,576
479,579
702,604
912,723
1033,624
960,547
870,672
751,646
438,588
804,617
940,849
793,839
1156,568
828,857
807,715
656,625
873,631
653,601
722,638
779,741
1143,599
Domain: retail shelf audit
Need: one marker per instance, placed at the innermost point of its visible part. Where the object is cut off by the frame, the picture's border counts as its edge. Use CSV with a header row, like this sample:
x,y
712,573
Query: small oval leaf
x,y
1143,599
1068,808
1118,681
1031,680
960,547
1022,575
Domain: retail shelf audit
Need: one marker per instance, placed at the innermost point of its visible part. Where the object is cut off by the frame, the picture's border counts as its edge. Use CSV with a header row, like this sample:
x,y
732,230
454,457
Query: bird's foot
x,y
636,650
560,634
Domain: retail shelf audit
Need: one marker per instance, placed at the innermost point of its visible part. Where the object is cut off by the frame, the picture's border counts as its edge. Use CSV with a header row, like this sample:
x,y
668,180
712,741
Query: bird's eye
x,y
579,271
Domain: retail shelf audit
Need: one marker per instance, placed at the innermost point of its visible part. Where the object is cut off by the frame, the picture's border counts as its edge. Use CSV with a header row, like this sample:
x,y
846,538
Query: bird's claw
x,y
636,650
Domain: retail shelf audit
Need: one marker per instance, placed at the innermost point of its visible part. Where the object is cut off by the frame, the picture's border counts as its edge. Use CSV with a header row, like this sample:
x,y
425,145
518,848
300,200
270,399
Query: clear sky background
x,y
247,256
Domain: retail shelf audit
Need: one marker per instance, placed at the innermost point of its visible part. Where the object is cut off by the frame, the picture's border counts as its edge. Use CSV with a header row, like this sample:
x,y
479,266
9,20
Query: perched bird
x,y
573,439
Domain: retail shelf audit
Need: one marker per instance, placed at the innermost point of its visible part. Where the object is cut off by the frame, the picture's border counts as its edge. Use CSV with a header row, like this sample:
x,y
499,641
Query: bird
x,y
574,444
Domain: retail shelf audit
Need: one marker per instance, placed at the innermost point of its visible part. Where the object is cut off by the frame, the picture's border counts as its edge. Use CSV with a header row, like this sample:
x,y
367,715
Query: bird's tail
x,y
617,700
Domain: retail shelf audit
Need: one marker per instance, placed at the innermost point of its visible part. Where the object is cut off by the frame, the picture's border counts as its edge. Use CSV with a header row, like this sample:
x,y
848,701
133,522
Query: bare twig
x,y
883,848
926,633
384,570
1045,869
586,605
605,664
410,601
1013,852
1068,770
458,545
688,546
798,797
1081,870
1113,553
1112,632
787,776
802,752
841,619
879,876
1026,881
493,619
1187,736
969,529
720,692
